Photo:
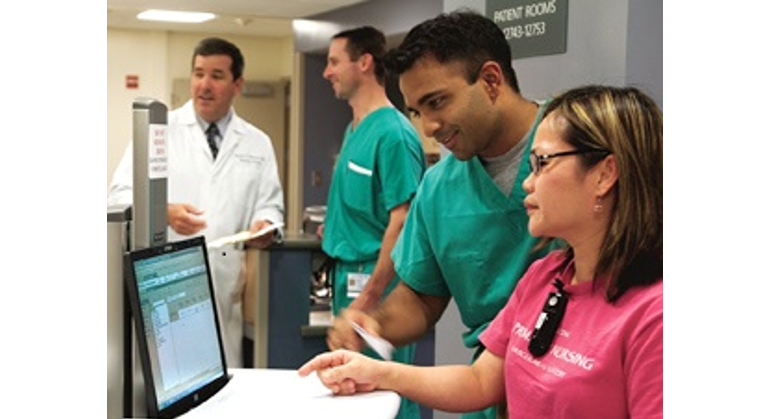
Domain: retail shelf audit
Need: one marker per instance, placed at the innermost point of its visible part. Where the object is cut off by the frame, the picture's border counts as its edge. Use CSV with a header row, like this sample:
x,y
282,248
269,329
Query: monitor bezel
x,y
198,396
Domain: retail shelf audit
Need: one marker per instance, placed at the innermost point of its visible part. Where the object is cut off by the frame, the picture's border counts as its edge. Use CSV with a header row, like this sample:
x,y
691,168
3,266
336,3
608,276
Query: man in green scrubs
x,y
377,173
466,234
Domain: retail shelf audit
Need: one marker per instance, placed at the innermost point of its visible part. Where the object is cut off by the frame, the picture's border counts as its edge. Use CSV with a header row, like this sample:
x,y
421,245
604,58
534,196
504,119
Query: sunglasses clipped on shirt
x,y
548,321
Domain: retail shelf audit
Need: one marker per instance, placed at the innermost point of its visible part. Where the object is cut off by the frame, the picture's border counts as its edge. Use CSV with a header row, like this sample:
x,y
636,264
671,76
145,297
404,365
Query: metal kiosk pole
x,y
145,226
150,172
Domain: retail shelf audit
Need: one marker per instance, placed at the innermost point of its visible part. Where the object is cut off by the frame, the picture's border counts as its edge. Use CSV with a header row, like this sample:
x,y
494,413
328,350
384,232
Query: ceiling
x,y
242,17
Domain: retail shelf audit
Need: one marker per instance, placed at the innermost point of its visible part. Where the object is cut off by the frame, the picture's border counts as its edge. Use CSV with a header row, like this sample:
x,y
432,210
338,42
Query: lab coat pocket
x,y
358,187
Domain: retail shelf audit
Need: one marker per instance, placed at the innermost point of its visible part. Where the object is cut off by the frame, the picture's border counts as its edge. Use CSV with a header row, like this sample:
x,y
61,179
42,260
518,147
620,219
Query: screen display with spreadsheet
x,y
173,306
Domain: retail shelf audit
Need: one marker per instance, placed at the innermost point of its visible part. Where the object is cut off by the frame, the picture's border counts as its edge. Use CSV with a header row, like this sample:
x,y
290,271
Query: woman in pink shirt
x,y
582,334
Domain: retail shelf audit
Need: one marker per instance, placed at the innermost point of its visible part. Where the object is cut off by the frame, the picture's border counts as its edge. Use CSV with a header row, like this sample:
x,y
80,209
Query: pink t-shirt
x,y
606,360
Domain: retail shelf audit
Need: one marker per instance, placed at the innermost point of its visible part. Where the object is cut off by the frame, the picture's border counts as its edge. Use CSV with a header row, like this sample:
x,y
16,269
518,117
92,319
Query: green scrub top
x,y
466,239
380,165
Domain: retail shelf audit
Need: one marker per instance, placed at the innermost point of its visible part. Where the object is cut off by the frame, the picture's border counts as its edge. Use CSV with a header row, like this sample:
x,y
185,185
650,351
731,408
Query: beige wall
x,y
131,52
158,58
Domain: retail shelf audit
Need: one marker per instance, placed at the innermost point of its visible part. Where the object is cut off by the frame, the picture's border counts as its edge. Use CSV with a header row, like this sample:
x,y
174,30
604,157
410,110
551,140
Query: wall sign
x,y
532,27
158,157
131,81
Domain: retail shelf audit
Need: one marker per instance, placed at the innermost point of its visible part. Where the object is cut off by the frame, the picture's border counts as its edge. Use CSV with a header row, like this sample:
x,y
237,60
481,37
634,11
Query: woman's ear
x,y
607,175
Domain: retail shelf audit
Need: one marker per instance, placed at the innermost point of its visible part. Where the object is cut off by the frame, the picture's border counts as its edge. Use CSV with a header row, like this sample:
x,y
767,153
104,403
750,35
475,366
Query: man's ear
x,y
238,85
492,78
365,61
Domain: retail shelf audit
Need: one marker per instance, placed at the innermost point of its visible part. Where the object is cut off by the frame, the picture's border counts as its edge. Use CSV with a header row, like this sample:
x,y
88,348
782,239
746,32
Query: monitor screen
x,y
181,332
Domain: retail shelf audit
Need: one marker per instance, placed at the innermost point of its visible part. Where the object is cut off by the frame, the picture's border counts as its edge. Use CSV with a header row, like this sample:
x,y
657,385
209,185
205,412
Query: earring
x,y
598,207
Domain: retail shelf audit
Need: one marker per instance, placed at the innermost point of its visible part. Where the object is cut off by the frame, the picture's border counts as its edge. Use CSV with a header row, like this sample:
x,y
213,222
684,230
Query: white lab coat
x,y
239,187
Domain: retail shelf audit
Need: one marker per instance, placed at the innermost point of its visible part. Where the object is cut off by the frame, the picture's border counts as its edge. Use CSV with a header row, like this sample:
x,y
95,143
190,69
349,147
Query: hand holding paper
x,y
243,236
380,345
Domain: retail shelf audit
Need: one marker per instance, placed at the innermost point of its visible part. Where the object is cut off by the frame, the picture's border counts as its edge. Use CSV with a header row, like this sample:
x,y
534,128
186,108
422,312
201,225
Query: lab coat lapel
x,y
201,139
235,131
196,134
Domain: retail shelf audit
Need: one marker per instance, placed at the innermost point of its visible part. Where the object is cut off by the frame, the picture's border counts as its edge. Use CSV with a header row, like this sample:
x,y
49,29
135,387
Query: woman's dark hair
x,y
627,123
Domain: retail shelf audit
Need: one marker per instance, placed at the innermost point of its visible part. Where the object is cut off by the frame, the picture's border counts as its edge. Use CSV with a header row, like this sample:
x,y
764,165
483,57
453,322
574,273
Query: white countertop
x,y
255,393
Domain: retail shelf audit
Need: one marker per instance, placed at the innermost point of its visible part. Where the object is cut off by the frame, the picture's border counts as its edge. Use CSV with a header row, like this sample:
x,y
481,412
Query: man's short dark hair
x,y
219,46
464,36
366,40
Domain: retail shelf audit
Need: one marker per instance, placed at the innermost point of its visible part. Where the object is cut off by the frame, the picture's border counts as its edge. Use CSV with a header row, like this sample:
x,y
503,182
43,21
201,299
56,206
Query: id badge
x,y
356,283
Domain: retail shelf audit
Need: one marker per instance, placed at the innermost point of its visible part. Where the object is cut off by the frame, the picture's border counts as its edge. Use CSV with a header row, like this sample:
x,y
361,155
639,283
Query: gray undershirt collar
x,y
503,169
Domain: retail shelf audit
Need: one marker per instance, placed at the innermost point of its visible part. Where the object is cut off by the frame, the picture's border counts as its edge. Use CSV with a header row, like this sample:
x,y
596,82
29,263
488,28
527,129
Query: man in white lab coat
x,y
222,178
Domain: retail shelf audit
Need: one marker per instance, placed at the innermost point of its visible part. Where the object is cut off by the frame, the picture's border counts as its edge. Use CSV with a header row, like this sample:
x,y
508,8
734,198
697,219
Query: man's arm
x,y
183,218
269,196
384,271
406,315
402,318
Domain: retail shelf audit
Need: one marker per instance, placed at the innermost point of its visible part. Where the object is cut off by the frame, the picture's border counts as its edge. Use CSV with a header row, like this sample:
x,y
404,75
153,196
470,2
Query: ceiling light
x,y
172,16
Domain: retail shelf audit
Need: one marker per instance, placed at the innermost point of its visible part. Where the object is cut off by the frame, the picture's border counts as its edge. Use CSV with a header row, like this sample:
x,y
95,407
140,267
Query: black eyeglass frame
x,y
535,161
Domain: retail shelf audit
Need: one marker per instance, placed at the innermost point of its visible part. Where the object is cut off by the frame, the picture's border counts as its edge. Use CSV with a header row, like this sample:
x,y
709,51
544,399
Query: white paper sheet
x,y
380,345
243,236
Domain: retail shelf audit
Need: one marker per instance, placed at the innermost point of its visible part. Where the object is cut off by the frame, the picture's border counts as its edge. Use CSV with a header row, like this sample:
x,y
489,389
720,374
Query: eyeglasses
x,y
535,163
